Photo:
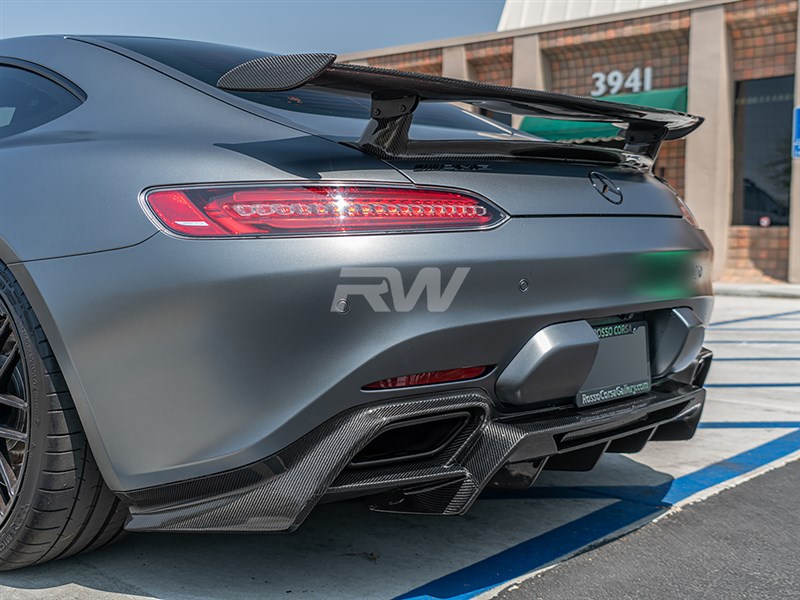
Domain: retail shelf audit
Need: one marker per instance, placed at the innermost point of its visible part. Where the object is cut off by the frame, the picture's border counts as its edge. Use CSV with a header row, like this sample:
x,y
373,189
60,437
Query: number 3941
x,y
613,82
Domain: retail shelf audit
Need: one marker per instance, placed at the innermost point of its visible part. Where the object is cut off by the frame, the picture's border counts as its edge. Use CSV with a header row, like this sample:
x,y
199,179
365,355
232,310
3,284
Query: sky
x,y
337,26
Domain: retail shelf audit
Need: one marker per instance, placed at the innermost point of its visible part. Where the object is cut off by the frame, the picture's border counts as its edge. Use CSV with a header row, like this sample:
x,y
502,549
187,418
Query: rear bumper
x,y
495,449
189,358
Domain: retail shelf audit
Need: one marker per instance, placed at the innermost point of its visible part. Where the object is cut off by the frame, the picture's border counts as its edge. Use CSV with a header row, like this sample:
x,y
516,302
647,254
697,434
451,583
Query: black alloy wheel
x,y
14,413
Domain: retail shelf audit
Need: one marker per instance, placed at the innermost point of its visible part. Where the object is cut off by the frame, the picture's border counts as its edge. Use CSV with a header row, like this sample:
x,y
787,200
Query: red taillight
x,y
428,378
177,212
316,209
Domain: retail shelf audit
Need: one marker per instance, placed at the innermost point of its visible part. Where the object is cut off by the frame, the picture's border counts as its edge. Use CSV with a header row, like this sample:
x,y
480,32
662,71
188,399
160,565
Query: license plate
x,y
622,366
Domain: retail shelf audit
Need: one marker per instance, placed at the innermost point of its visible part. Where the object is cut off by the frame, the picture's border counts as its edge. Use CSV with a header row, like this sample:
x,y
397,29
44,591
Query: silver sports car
x,y
234,285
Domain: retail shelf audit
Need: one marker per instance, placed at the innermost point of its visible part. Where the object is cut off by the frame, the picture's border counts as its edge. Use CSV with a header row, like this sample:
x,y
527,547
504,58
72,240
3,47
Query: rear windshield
x,y
335,114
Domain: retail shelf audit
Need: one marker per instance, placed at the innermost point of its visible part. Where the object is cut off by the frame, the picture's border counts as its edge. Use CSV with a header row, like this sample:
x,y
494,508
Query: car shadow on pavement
x,y
343,549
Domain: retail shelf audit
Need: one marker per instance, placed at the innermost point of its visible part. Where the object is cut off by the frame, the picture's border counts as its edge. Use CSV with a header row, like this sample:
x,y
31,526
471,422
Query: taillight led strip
x,y
316,209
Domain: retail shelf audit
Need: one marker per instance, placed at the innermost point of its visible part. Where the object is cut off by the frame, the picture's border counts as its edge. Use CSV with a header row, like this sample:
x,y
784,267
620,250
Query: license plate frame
x,y
622,366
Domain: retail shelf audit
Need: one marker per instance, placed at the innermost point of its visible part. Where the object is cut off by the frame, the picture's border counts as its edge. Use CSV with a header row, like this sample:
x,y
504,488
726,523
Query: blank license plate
x,y
622,366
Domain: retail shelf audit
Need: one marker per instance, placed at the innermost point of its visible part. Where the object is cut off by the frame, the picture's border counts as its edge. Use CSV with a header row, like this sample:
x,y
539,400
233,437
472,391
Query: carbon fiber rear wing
x,y
396,94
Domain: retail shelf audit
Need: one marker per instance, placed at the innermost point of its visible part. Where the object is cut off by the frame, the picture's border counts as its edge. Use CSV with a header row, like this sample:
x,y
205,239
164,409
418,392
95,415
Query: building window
x,y
762,151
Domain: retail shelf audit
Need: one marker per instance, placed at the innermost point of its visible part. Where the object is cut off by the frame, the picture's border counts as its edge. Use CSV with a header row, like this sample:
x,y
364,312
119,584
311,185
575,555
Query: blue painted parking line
x,y
758,318
530,555
634,505
725,470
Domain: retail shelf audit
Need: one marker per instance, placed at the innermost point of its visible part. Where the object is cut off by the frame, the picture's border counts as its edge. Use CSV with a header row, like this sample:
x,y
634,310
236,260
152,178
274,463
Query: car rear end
x,y
463,322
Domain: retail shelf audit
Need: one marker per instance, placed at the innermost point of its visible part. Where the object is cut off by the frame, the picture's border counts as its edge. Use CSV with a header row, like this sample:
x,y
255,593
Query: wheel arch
x,y
73,381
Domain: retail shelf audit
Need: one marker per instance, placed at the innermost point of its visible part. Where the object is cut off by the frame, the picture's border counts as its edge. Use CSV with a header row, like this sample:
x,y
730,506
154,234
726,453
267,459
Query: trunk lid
x,y
549,187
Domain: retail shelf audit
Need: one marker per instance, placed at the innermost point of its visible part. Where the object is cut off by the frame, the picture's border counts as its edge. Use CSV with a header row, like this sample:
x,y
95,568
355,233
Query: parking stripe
x,y
684,487
751,385
535,553
727,328
752,425
756,358
712,342
622,516
758,318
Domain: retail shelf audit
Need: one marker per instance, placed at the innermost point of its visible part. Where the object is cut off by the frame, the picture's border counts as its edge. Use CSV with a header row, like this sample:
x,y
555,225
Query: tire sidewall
x,y
36,377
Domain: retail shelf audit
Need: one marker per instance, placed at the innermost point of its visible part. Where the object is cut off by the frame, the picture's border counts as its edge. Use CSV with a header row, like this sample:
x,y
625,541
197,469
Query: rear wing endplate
x,y
396,94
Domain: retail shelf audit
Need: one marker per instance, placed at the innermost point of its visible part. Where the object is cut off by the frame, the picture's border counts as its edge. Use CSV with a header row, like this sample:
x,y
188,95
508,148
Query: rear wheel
x,y
53,501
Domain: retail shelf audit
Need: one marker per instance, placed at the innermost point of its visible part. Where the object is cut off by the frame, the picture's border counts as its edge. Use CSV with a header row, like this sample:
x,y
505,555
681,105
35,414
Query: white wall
x,y
529,13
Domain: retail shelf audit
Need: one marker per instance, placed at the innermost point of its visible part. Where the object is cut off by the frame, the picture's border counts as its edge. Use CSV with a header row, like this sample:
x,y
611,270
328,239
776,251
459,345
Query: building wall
x,y
757,254
490,62
764,44
421,61
528,13
671,164
660,42
764,38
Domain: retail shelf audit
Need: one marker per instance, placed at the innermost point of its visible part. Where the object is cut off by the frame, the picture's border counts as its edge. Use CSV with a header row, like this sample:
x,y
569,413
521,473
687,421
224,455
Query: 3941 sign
x,y
615,81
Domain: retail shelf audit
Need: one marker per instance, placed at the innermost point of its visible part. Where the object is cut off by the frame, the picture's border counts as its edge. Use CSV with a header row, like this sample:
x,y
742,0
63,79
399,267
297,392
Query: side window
x,y
28,100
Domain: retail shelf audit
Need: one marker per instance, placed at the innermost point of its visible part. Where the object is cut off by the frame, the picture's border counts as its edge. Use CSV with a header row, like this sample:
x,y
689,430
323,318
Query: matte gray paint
x,y
71,186
197,356
553,188
680,334
189,357
538,372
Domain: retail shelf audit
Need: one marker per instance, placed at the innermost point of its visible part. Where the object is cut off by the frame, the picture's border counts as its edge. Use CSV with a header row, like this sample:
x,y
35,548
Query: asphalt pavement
x,y
743,543
720,522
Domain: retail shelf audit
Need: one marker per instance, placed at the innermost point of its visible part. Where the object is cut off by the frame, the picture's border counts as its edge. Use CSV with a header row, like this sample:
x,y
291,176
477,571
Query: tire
x,y
53,500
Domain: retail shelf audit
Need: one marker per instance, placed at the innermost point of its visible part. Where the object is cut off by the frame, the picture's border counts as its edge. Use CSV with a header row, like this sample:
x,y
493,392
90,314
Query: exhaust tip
x,y
411,440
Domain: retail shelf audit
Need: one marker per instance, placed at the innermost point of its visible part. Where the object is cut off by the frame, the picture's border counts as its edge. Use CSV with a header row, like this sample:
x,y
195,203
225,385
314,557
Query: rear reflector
x,y
428,378
316,209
